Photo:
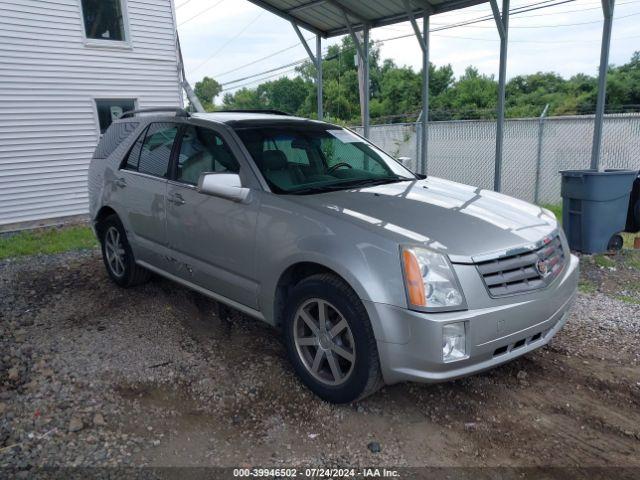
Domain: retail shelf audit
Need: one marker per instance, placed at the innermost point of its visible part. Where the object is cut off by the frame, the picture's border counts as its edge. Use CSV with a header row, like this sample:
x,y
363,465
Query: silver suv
x,y
372,273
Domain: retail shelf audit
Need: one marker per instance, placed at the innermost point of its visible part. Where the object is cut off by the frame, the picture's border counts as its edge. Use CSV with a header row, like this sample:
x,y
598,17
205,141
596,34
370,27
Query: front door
x,y
212,239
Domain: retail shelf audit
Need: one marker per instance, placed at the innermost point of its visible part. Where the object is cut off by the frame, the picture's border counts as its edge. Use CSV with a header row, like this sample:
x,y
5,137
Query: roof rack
x,y
180,112
257,110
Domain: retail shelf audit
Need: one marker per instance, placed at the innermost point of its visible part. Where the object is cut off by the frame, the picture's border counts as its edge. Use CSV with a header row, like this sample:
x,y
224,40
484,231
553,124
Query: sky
x,y
228,40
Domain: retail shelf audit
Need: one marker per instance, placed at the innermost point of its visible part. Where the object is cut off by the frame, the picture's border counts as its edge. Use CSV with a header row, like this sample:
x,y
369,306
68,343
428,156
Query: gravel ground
x,y
94,375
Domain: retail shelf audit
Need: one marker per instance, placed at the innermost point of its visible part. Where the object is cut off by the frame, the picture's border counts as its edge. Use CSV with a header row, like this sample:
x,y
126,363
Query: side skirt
x,y
218,298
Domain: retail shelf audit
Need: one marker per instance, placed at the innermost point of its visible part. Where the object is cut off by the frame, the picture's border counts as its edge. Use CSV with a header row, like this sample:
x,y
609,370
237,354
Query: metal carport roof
x,y
327,17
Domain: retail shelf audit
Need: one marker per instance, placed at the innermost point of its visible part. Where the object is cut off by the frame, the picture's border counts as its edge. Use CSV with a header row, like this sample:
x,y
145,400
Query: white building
x,y
67,67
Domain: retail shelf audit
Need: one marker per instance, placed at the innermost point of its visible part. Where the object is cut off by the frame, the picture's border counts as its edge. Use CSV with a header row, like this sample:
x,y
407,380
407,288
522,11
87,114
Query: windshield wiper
x,y
347,184
374,181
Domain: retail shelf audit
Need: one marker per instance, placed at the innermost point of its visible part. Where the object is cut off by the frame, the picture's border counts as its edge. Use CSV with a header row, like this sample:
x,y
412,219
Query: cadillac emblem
x,y
542,267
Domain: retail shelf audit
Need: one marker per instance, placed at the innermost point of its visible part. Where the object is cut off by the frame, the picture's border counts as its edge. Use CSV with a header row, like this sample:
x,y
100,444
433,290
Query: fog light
x,y
453,342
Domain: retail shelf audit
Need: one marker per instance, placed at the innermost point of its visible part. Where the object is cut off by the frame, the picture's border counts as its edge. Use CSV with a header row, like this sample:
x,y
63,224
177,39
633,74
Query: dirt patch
x,y
177,383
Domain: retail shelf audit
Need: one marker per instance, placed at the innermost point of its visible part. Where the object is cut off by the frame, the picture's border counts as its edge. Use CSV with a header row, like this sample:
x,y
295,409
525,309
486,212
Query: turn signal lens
x,y
413,278
430,281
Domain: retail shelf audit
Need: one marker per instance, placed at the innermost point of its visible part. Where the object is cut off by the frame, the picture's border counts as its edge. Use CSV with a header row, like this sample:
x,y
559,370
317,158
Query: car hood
x,y
463,221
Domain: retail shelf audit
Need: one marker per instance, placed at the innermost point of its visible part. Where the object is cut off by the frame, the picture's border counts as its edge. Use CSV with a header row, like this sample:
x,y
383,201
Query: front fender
x,y
369,263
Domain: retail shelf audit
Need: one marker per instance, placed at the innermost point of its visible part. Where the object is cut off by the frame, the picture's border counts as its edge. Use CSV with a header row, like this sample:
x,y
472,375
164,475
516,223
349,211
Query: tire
x,y
360,377
125,273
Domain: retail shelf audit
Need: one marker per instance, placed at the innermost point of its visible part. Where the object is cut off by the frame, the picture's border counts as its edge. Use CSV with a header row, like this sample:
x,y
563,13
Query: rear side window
x,y
113,138
152,151
134,154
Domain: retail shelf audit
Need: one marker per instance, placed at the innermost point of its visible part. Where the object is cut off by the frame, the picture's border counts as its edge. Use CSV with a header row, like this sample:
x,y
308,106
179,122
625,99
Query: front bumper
x,y
410,343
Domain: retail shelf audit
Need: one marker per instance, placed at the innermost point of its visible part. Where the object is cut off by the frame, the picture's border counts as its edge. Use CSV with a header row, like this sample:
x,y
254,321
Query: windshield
x,y
303,159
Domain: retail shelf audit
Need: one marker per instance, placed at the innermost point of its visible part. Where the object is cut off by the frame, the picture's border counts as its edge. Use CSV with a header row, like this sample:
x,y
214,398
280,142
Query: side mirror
x,y
224,185
404,160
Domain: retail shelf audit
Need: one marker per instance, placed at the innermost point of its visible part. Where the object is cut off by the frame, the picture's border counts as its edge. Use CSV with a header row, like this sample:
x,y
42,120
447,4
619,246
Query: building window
x,y
110,110
103,19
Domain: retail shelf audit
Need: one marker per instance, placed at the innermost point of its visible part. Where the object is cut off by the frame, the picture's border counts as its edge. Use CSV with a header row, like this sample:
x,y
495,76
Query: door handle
x,y
176,199
121,182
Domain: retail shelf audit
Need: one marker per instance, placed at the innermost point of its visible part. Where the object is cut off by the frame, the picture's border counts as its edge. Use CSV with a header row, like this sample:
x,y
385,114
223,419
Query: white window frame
x,y
94,102
118,44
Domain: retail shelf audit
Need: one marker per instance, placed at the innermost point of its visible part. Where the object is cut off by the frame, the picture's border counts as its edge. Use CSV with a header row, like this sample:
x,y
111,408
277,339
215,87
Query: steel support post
x,y
184,83
365,99
319,79
316,60
419,125
607,9
536,194
423,40
502,23
425,94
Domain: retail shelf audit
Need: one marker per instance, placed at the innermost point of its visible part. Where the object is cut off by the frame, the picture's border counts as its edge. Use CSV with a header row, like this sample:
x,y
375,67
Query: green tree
x,y
396,92
207,90
285,94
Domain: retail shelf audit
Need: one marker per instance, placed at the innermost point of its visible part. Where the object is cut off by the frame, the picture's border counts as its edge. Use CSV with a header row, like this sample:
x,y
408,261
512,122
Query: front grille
x,y
525,271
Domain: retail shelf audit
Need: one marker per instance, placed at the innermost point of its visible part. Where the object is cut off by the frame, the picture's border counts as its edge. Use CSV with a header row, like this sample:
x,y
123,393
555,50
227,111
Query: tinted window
x,y
103,19
134,154
203,150
111,110
300,159
156,149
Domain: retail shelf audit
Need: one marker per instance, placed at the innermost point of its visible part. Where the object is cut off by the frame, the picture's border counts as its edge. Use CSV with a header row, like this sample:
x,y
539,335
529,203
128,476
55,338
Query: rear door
x,y
212,239
143,185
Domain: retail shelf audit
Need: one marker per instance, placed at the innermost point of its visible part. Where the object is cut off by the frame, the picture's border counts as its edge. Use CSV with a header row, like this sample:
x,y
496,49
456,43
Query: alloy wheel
x,y
114,251
324,341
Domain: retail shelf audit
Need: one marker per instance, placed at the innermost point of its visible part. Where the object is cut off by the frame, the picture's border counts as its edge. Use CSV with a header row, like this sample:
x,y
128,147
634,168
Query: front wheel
x,y
330,341
117,254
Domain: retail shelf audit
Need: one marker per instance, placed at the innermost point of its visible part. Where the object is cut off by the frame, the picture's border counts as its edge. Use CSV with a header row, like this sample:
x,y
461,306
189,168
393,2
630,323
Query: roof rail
x,y
180,112
257,110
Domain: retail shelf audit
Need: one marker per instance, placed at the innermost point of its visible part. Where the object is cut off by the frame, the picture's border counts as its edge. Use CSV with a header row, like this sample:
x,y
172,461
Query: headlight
x,y
430,281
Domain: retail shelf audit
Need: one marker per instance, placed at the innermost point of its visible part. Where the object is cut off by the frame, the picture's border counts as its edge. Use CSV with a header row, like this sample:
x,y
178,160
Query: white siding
x,y
49,80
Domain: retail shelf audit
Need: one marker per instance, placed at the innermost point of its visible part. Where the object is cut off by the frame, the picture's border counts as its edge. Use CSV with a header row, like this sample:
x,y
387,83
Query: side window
x,y
103,19
156,149
111,110
134,154
203,150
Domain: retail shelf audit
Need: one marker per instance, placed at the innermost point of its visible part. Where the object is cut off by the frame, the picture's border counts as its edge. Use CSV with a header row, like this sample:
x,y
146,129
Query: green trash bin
x,y
594,208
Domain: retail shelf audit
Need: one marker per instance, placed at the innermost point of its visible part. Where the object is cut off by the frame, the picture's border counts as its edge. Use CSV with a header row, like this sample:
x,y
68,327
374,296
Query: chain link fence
x,y
535,150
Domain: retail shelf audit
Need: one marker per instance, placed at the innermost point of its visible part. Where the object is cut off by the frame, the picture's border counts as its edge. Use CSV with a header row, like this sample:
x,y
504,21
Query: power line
x,y
258,60
182,4
198,14
554,42
227,42
295,63
549,26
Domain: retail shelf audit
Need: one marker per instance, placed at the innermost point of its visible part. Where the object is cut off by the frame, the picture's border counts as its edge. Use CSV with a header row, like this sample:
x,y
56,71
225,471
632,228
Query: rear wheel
x,y
117,254
330,341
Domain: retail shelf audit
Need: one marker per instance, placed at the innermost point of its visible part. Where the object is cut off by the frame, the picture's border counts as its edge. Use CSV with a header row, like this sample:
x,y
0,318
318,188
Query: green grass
x,y
628,299
585,286
634,261
47,241
603,261
556,209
